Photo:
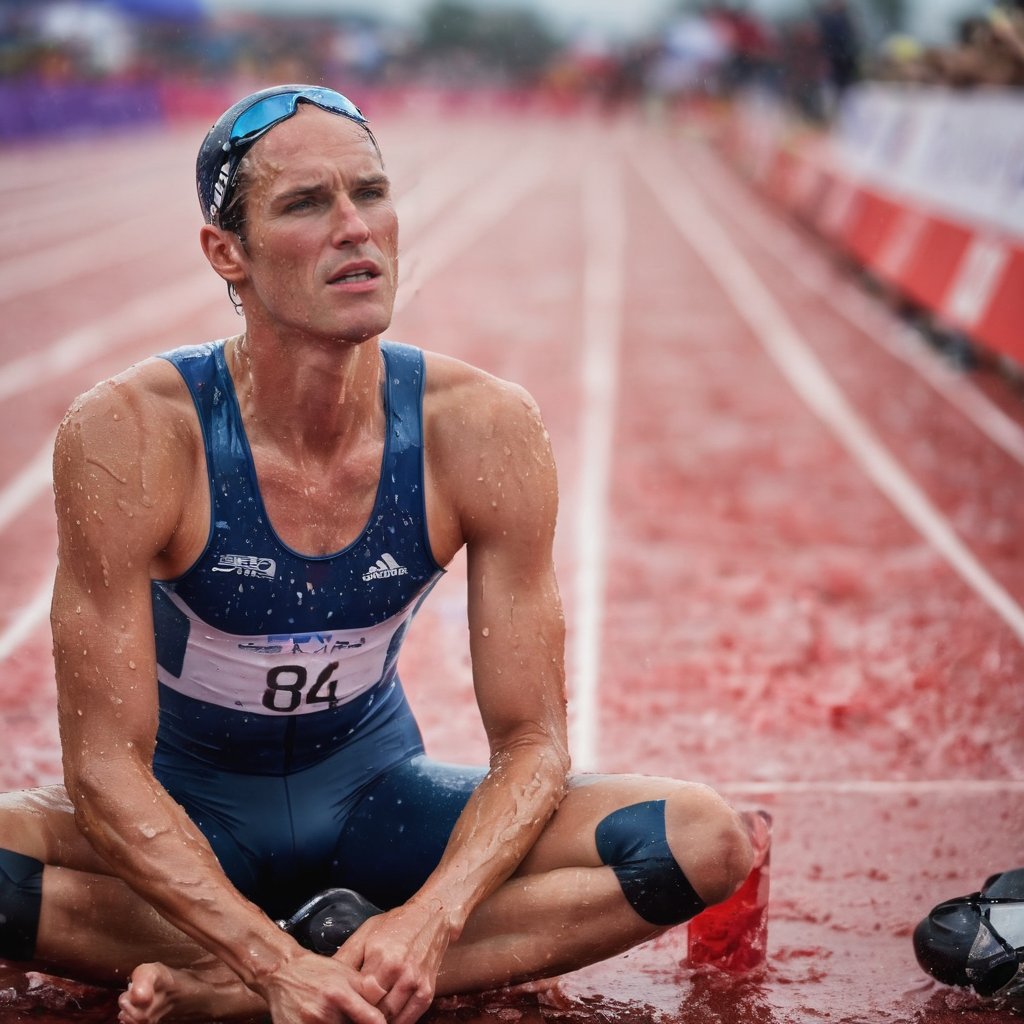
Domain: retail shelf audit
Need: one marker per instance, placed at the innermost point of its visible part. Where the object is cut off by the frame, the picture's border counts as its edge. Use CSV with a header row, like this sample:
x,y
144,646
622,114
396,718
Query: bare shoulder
x,y
488,451
464,403
147,400
124,454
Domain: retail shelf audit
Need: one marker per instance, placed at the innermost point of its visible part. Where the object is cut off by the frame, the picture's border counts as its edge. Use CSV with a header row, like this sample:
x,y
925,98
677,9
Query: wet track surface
x,y
772,622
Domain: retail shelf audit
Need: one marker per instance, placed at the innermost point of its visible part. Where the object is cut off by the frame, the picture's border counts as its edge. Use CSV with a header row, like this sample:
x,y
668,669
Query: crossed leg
x,y
564,908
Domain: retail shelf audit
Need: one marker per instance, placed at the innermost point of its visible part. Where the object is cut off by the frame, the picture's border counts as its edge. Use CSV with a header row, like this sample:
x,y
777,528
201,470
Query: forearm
x,y
149,841
498,827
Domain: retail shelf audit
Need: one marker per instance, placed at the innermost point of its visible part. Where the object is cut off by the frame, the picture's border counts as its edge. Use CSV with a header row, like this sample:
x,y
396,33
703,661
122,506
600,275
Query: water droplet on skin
x,y
131,664
485,631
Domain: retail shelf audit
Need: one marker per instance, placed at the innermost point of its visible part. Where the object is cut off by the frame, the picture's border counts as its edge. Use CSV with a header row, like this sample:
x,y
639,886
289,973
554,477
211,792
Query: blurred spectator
x,y
840,43
694,48
901,59
988,52
752,46
805,69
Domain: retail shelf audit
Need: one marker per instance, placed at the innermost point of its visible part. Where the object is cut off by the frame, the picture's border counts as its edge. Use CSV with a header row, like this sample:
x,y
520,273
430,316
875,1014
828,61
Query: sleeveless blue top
x,y
269,660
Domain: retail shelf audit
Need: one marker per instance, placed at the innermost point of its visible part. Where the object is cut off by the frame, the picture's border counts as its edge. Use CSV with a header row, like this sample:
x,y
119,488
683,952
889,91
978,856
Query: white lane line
x,y
33,479
477,212
445,182
878,787
27,617
180,299
123,242
903,344
776,239
30,221
604,218
809,378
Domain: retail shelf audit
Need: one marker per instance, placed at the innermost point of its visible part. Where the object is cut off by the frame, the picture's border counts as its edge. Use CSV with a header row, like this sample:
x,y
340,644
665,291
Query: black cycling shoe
x,y
327,920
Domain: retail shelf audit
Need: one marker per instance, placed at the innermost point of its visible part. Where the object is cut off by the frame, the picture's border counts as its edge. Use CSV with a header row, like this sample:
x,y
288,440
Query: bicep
x,y
115,513
105,665
517,629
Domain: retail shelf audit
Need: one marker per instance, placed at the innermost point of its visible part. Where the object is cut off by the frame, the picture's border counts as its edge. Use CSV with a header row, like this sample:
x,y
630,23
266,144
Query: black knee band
x,y
632,842
21,896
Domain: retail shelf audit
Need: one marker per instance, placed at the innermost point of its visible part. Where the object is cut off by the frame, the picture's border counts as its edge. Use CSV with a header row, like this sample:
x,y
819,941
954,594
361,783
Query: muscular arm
x,y
497,472
517,635
122,463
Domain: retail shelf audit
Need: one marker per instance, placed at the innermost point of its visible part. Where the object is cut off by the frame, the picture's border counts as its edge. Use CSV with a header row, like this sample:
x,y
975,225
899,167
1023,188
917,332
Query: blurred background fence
x,y
893,128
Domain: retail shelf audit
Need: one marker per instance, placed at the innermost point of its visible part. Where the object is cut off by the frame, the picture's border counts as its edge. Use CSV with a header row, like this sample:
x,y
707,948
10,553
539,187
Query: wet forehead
x,y
313,143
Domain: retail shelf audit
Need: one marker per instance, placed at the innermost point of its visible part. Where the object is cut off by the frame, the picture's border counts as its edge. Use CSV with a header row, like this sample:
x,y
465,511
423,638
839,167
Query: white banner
x,y
957,154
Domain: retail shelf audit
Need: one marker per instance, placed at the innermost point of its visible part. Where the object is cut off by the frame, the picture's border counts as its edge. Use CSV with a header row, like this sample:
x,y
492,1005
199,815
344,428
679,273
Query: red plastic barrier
x,y
961,264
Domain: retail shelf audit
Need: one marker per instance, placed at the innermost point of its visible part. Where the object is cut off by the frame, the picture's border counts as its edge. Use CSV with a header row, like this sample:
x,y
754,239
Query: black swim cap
x,y
239,127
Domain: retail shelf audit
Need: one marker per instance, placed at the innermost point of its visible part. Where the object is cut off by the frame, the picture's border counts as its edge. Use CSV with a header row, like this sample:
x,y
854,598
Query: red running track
x,y
789,539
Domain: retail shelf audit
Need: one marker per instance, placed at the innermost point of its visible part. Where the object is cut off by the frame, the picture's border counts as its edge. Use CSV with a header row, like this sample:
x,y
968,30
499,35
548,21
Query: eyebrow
x,y
316,188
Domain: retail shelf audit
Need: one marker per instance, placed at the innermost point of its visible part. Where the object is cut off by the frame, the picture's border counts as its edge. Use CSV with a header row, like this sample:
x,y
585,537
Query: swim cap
x,y
241,125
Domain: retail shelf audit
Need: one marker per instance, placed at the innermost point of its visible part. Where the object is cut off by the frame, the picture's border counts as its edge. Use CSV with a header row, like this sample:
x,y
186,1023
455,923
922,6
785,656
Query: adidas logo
x,y
385,566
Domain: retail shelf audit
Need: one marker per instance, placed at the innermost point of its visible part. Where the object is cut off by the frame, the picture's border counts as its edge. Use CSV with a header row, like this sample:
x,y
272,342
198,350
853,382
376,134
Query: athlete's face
x,y
320,230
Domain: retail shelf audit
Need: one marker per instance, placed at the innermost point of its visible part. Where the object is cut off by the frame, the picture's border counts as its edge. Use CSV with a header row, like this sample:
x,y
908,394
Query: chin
x,y
356,334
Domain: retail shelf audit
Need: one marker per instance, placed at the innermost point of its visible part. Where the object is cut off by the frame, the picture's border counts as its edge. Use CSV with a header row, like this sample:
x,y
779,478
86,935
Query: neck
x,y
309,399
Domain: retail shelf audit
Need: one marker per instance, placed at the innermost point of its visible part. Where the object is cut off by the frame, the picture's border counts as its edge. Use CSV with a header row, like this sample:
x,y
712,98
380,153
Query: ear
x,y
223,249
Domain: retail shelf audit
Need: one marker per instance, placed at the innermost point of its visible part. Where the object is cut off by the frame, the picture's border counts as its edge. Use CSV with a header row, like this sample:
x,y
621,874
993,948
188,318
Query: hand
x,y
314,989
400,952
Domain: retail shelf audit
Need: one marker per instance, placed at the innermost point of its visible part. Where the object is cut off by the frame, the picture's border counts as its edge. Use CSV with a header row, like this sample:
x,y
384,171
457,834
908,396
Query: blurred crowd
x,y
712,49
707,50
989,51
121,41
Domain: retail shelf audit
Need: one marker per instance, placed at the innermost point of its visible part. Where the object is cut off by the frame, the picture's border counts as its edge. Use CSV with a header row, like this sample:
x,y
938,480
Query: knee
x,y
709,842
676,854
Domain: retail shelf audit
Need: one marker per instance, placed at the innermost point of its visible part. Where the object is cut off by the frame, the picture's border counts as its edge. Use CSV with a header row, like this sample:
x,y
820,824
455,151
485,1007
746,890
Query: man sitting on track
x,y
246,529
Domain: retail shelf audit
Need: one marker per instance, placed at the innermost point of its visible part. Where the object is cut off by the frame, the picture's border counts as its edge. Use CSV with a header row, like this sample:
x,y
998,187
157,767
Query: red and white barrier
x,y
923,186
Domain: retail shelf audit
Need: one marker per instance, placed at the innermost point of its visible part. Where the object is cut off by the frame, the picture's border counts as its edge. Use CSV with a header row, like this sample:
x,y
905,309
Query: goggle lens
x,y
270,111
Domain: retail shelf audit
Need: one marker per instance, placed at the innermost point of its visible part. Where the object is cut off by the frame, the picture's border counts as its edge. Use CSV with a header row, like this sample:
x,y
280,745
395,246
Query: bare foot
x,y
209,991
759,828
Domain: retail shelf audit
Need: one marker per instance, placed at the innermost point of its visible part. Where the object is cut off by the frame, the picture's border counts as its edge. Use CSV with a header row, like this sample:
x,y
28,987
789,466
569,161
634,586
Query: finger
x,y
407,1006
358,1011
372,990
351,953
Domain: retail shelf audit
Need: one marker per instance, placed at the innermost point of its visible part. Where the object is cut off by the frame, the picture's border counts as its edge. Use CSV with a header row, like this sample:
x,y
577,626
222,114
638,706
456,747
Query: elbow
x,y
96,786
86,787
85,795
548,750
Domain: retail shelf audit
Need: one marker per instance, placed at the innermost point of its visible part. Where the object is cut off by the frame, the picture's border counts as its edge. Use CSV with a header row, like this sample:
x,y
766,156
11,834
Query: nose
x,y
348,226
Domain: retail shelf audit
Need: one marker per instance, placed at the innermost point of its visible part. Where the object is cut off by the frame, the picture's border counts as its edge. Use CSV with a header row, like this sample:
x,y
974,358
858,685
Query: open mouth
x,y
355,275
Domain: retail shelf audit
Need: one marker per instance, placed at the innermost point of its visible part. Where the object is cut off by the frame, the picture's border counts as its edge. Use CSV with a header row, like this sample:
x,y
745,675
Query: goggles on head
x,y
257,119
264,114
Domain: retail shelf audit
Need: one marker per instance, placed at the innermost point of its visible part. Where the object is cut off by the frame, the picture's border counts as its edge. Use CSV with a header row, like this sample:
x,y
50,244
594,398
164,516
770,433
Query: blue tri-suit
x,y
284,731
